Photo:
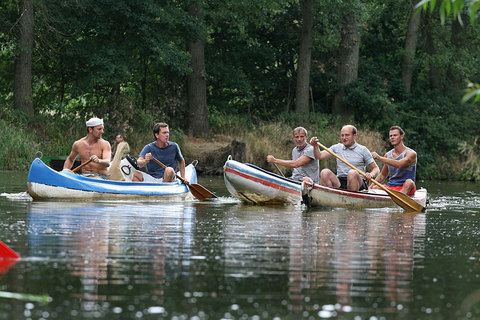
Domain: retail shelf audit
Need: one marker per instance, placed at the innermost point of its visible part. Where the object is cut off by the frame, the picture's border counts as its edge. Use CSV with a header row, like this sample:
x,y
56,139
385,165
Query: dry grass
x,y
373,140
271,138
275,138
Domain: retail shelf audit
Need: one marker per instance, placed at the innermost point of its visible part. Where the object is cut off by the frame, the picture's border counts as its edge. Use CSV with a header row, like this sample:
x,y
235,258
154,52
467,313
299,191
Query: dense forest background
x,y
230,67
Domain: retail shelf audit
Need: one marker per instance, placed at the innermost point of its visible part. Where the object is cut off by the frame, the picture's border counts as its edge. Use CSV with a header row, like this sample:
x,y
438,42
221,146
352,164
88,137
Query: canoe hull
x,y
254,185
46,183
257,187
333,197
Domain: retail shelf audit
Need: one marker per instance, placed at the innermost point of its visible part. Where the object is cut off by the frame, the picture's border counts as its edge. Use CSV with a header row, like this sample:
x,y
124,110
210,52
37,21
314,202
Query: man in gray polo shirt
x,y
305,166
354,153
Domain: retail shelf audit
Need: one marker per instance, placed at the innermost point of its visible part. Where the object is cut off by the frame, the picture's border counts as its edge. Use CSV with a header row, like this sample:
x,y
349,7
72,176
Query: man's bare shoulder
x,y
411,152
105,143
80,142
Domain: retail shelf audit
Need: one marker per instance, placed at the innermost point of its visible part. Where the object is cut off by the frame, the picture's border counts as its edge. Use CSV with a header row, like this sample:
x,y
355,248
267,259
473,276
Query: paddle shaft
x,y
279,169
81,166
165,167
199,191
402,200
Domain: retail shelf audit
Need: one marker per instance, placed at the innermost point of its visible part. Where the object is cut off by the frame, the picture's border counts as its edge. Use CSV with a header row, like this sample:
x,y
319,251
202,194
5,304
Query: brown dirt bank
x,y
212,153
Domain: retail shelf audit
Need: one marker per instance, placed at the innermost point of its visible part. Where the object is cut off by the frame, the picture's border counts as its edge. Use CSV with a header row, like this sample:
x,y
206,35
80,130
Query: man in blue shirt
x,y
163,150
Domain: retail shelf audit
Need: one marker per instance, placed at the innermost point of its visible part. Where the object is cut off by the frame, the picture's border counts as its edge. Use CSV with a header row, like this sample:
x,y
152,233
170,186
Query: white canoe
x,y
255,185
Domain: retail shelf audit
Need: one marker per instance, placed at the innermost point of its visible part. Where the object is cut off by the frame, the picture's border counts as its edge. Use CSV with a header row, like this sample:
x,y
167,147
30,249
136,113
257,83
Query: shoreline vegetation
x,y
249,141
229,79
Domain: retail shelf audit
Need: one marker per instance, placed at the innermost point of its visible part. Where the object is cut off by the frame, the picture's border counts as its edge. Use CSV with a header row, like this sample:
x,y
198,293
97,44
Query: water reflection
x,y
335,261
194,260
103,253
222,260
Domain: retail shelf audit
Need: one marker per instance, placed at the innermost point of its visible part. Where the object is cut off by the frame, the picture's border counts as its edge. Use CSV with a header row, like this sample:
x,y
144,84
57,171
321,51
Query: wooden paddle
x,y
404,201
279,169
80,166
198,191
7,252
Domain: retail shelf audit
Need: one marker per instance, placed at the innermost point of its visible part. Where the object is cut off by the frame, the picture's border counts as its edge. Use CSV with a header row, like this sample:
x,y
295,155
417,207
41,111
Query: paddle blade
x,y
7,252
200,192
404,201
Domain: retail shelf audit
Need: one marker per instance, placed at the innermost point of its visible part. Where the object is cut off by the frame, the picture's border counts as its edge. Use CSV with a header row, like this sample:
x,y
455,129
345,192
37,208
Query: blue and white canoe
x,y
254,185
45,183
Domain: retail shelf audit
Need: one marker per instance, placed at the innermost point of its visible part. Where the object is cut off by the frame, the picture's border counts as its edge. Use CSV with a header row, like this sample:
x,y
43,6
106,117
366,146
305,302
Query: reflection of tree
x,y
184,259
337,259
362,257
89,249
110,254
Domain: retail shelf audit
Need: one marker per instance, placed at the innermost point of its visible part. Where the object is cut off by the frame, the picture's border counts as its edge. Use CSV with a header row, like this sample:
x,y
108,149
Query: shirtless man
x,y
91,147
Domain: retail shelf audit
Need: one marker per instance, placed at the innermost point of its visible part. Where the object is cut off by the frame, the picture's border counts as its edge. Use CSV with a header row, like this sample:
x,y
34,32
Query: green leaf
x,y
446,6
473,90
422,4
432,5
43,298
473,10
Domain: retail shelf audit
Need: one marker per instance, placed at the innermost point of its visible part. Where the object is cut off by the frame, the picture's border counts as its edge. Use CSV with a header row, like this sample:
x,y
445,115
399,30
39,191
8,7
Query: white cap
x,y
93,122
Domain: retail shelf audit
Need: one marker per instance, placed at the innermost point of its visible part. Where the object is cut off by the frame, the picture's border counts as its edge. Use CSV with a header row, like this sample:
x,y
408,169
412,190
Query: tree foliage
x,y
452,8
128,61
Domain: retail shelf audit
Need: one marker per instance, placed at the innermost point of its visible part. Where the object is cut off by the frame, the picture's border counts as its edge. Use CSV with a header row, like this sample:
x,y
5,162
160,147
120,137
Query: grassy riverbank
x,y
23,139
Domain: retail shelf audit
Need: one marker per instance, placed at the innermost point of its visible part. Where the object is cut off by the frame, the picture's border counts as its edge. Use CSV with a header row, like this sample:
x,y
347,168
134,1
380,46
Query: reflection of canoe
x,y
46,183
254,185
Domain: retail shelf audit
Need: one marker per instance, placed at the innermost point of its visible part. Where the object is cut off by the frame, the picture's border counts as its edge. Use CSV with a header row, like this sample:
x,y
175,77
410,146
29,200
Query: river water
x,y
225,260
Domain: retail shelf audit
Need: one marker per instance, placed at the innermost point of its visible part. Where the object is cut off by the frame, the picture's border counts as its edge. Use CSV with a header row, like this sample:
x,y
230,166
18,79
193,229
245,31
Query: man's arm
x,y
181,165
144,157
303,160
106,155
142,162
372,171
67,165
409,159
319,154
383,174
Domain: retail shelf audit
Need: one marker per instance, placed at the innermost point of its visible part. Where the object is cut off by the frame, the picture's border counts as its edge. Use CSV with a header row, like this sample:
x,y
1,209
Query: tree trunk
x,y
408,61
196,83
304,59
22,91
347,69
459,41
143,82
433,73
